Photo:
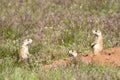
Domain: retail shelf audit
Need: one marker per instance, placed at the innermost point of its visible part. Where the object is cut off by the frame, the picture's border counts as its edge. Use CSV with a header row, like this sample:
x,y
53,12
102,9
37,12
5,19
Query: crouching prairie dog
x,y
73,53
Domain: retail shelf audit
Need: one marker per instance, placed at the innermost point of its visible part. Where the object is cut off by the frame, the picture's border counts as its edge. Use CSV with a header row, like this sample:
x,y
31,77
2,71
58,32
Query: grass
x,y
56,26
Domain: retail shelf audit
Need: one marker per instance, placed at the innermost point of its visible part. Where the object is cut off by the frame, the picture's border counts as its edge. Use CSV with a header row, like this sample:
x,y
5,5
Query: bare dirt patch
x,y
108,57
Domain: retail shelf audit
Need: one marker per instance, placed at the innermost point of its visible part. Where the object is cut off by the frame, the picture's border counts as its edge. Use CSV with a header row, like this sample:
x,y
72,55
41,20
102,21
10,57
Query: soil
x,y
107,57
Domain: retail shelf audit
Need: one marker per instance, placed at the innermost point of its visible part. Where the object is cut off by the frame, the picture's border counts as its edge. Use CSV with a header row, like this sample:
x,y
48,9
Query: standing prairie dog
x,y
24,52
97,45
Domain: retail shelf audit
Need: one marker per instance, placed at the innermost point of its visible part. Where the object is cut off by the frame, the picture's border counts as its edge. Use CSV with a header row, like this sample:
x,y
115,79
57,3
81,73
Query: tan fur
x,y
24,52
97,45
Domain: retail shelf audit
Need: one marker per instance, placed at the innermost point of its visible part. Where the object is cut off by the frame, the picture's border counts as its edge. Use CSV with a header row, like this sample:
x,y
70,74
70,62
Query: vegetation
x,y
56,26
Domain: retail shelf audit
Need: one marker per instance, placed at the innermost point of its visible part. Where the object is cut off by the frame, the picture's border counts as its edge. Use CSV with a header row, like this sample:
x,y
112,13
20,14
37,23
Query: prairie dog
x,y
24,52
97,45
73,53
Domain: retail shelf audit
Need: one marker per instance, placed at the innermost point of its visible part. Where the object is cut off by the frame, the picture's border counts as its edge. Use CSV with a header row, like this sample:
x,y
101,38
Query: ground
x,y
108,57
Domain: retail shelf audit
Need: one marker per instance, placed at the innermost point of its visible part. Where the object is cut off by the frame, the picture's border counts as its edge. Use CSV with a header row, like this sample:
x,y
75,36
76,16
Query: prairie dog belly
x,y
97,47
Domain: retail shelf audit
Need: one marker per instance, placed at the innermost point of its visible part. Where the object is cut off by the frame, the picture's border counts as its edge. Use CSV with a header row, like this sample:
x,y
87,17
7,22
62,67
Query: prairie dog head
x,y
73,53
27,41
97,32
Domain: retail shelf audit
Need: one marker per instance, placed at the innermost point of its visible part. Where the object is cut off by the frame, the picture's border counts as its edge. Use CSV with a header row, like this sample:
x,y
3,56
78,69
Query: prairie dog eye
x,y
30,41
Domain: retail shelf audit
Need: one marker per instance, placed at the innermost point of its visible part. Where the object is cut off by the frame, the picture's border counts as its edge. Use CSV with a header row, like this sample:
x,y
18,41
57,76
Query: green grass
x,y
56,26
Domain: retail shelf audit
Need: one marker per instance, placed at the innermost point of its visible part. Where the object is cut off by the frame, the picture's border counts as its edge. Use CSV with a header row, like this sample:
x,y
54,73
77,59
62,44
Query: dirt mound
x,y
110,57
